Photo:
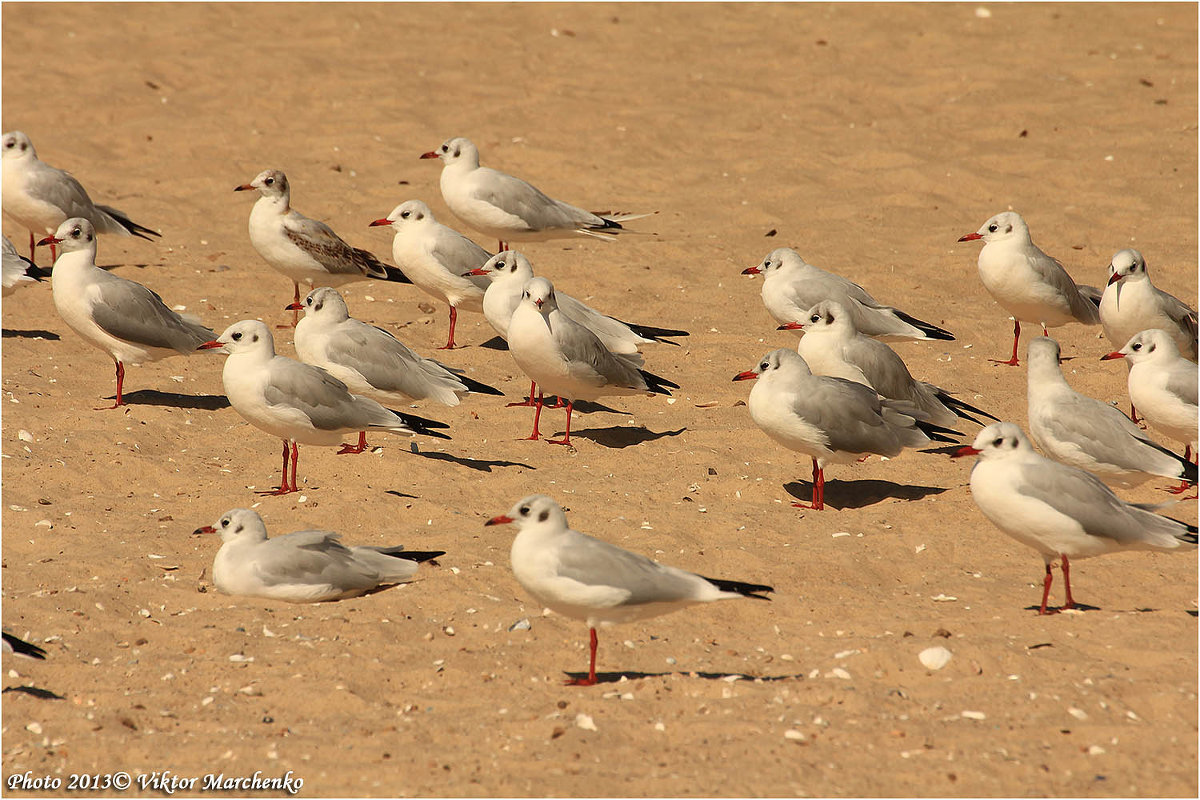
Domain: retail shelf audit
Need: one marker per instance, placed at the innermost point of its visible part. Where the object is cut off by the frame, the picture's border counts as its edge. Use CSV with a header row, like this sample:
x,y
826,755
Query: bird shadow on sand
x,y
841,495
621,436
615,677
9,333
495,343
395,493
482,465
153,397
1078,607
33,691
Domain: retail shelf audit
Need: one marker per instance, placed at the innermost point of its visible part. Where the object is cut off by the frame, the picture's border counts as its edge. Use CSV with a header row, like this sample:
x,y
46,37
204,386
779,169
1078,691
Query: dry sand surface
x,y
868,137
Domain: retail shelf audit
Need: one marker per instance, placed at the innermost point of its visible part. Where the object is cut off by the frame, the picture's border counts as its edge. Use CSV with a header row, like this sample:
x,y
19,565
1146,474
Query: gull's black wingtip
x,y
744,589
24,648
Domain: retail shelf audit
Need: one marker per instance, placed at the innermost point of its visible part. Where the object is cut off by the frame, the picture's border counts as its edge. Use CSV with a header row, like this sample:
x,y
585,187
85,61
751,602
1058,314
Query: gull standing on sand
x,y
121,317
41,198
1162,384
305,566
791,286
498,205
566,359
304,249
370,360
436,258
1089,434
510,270
299,403
585,578
1029,284
1060,511
19,271
832,346
1132,303
831,420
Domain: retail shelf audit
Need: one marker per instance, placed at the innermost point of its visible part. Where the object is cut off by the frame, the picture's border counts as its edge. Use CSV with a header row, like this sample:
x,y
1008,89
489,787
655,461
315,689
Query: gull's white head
x,y
270,183
1002,227
534,511
454,151
507,265
238,525
323,303
1150,345
998,440
1127,266
73,235
776,261
17,145
247,336
776,365
829,316
406,216
539,293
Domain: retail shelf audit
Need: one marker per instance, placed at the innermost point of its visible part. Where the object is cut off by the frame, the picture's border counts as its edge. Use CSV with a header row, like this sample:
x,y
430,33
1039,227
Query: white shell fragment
x,y
935,657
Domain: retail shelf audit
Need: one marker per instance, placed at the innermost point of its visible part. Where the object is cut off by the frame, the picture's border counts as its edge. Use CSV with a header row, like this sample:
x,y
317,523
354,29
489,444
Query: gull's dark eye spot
x,y
237,337
523,511
1013,445
815,318
991,228
254,338
405,214
545,515
239,528
269,181
457,152
10,144
1136,346
499,265
445,149
764,366
997,442
308,301
1150,349
318,306
225,522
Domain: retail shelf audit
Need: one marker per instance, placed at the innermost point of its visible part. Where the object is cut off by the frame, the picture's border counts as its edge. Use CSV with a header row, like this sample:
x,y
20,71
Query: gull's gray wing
x,y
387,363
593,562
312,557
130,311
458,254
849,413
1052,272
1102,432
527,202
589,361
327,248
1182,382
324,399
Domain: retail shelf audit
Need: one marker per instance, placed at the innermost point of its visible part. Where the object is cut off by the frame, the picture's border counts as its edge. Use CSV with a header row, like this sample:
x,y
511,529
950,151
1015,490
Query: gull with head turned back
x,y
1132,303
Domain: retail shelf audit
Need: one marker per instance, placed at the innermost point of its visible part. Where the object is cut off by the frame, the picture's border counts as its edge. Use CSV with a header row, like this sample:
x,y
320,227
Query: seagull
x,y
831,420
566,359
305,566
1162,383
299,403
1132,304
832,346
1029,284
41,198
18,270
370,360
507,208
589,579
304,249
1085,433
436,258
510,270
1060,511
791,286
121,317
21,647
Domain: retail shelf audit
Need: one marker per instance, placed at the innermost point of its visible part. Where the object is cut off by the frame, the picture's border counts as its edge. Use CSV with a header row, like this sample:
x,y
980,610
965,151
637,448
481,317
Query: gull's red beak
x,y
748,375
970,237
1116,276
539,302
965,451
790,326
431,154
296,306
476,271
500,520
205,529
213,345
49,240
1112,355
379,222
752,271
245,187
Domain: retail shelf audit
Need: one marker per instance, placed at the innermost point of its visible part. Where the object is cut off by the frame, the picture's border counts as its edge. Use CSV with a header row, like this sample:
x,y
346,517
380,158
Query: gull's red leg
x,y
1012,362
566,437
590,680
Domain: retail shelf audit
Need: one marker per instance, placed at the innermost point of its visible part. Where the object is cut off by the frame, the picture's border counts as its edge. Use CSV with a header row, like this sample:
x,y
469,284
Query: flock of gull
x,y
842,395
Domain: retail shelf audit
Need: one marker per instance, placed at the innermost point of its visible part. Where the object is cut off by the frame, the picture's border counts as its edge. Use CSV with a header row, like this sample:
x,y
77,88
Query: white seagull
x,y
791,286
497,204
436,258
19,271
303,249
305,566
832,346
1089,434
120,317
585,578
41,198
299,403
831,420
370,360
1132,303
566,359
510,270
1029,284
1060,511
1162,384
